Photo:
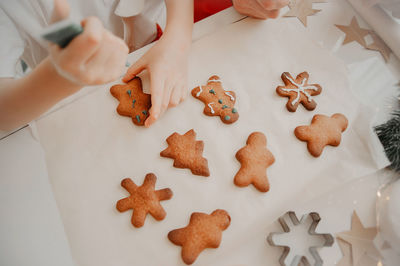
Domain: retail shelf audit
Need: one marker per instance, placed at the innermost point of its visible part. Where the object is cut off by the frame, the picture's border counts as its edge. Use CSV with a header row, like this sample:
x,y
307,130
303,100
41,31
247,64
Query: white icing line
x,y
300,89
214,80
212,110
230,96
200,91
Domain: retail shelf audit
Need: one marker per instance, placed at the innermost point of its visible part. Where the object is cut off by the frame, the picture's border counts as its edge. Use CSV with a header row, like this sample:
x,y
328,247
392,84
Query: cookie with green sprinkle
x,y
133,102
217,101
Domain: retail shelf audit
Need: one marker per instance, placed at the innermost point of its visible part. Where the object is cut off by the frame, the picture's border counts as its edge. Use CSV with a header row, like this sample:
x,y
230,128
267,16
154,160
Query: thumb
x,y
135,69
60,10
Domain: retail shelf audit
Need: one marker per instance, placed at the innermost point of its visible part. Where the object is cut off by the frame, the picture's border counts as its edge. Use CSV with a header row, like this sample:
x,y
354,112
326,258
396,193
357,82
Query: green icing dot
x,y
225,106
234,111
129,93
138,118
133,103
212,91
220,101
127,64
144,112
227,117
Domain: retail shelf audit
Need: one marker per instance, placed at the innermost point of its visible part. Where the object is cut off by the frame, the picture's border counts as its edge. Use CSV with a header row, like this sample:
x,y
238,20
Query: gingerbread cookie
x,y
144,199
298,91
254,158
204,231
133,102
187,153
324,130
217,101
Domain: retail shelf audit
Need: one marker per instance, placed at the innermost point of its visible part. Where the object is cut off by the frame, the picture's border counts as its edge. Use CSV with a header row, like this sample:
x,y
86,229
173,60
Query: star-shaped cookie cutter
x,y
313,249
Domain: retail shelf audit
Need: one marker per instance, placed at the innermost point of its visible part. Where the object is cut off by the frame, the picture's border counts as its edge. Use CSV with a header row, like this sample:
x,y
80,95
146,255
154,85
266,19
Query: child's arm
x,y
94,57
167,60
22,100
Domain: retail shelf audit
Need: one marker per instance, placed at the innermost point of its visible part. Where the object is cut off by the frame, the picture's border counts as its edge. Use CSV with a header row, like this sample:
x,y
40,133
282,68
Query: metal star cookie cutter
x,y
313,249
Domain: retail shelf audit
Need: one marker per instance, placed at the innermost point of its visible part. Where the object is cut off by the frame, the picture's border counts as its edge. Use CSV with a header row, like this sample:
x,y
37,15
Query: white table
x,y
31,229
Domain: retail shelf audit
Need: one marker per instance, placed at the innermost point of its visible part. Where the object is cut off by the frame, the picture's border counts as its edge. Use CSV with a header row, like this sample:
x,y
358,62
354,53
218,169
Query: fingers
x,y
96,56
176,97
260,9
111,65
60,11
273,4
157,93
135,69
184,93
171,97
96,65
272,13
86,44
166,98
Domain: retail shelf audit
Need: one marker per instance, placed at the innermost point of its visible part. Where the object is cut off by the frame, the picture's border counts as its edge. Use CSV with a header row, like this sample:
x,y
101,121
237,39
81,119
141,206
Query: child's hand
x,y
95,56
167,63
261,9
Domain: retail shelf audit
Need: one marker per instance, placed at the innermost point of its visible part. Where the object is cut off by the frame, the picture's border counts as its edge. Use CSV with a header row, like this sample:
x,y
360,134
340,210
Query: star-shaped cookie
x,y
204,231
187,153
133,101
144,199
298,91
254,158
324,130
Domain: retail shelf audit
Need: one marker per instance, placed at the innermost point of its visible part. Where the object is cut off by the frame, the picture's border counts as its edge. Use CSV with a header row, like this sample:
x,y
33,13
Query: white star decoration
x,y
362,248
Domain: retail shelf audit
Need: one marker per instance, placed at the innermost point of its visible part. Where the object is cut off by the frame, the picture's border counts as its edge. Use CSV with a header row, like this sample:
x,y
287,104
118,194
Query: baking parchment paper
x,y
90,149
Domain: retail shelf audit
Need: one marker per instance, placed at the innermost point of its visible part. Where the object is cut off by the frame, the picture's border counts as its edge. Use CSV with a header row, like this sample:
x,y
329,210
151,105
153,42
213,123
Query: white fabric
x,y
382,23
393,6
90,149
22,20
31,229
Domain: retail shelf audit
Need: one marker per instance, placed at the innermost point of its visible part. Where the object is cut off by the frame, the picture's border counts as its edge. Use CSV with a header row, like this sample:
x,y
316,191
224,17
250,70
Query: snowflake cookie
x,y
144,199
298,91
217,101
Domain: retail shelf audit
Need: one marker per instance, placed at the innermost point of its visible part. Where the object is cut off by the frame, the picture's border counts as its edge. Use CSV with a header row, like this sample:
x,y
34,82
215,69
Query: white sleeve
x,y
11,46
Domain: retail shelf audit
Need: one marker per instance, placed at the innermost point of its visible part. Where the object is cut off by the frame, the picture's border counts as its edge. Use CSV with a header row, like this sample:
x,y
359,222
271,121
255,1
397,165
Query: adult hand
x,y
261,9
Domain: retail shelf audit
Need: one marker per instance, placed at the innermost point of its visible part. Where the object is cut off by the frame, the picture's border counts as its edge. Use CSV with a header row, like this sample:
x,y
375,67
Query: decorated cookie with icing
x,y
133,102
254,158
323,131
187,153
298,91
203,231
143,199
217,101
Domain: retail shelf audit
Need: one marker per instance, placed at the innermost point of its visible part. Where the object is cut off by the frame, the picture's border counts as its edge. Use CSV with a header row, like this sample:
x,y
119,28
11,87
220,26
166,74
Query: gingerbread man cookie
x,y
324,130
204,231
254,158
217,101
298,91
133,101
187,153
144,199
